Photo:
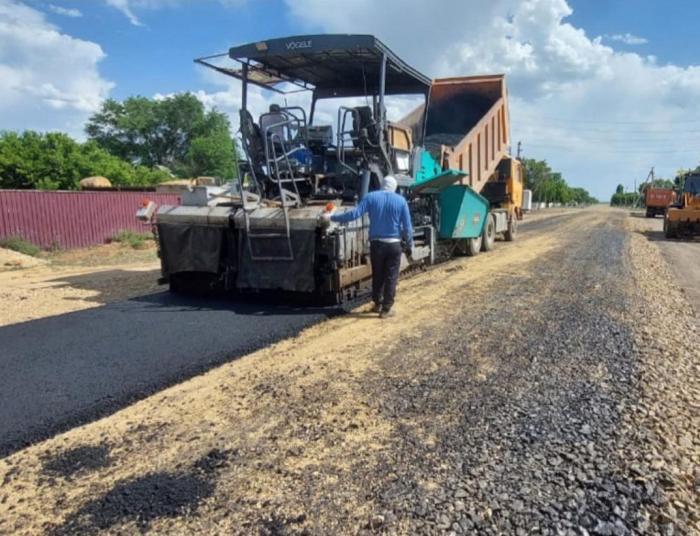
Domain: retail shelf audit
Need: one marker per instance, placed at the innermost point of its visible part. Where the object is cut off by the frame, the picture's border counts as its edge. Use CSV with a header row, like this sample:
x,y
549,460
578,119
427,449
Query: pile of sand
x,y
10,259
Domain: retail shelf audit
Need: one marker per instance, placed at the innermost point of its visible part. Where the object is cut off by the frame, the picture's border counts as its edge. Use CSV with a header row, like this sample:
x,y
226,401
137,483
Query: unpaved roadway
x,y
551,386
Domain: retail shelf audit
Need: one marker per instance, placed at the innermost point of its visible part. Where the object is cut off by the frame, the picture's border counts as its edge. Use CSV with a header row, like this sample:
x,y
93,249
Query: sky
x,y
602,90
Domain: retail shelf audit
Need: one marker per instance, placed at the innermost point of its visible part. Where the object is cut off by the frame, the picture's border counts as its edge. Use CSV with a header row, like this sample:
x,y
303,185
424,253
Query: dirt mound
x,y
10,259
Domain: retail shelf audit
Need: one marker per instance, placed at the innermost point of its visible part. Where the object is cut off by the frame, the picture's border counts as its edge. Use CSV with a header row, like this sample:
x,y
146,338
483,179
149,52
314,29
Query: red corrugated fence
x,y
73,219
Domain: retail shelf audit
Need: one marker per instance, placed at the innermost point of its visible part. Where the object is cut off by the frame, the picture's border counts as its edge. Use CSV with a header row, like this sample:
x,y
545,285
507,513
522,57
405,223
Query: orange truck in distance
x,y
657,199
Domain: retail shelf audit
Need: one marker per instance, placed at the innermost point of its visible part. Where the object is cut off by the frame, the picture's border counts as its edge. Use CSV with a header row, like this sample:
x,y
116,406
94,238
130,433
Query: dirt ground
x,y
66,281
550,386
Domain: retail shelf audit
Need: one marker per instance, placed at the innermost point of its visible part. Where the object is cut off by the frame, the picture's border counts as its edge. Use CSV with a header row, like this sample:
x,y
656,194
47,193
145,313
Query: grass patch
x,y
132,239
20,245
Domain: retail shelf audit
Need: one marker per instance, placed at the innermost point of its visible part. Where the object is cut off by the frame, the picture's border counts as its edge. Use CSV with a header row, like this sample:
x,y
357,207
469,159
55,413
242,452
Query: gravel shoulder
x,y
551,385
682,257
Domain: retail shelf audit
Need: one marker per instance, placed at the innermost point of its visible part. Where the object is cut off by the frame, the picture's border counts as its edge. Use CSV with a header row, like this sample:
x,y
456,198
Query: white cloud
x,y
48,80
599,115
629,39
65,11
125,7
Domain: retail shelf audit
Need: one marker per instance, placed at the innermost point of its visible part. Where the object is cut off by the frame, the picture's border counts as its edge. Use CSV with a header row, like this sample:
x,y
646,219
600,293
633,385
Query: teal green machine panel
x,y
462,212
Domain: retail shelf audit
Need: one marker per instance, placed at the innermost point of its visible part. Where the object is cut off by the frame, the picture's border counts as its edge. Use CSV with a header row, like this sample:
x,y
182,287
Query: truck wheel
x,y
488,237
649,214
670,230
473,246
512,230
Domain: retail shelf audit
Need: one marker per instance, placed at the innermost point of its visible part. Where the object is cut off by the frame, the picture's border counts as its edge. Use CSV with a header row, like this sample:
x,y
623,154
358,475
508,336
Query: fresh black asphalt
x,y
61,371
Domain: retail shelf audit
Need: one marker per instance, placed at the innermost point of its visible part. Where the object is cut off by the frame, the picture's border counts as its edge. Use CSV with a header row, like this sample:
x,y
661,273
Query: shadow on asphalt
x,y
107,284
241,305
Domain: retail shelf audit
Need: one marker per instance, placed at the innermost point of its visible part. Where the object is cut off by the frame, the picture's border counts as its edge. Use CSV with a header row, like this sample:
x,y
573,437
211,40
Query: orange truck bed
x,y
657,199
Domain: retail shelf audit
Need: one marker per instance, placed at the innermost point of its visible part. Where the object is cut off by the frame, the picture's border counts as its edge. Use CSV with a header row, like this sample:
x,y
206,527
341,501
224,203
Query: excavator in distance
x,y
682,218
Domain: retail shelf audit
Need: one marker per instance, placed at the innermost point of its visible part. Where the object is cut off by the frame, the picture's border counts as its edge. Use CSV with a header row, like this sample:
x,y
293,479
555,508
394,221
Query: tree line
x,y
136,142
549,186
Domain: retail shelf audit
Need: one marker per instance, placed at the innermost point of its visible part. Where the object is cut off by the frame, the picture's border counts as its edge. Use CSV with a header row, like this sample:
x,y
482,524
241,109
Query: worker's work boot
x,y
376,308
387,313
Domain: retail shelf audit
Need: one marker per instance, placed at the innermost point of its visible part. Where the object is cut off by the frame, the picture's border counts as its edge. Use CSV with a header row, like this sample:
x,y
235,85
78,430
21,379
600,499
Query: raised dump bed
x,y
467,125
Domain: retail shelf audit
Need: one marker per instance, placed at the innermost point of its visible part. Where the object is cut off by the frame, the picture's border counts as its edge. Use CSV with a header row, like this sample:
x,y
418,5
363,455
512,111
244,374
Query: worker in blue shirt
x,y
390,221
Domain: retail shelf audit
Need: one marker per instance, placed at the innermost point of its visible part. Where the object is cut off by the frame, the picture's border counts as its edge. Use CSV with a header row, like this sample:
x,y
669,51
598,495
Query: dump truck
x,y
264,233
682,218
657,199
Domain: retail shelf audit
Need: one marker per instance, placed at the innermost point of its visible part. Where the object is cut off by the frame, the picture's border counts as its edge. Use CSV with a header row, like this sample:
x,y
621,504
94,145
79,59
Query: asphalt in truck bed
x,y
62,371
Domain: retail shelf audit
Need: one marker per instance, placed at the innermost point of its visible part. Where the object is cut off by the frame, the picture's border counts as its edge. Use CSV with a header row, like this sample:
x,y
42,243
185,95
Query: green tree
x,y
55,161
176,132
620,189
628,199
656,183
550,186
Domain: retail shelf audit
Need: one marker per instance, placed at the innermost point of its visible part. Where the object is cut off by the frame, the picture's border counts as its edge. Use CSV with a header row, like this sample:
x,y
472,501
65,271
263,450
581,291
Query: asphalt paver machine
x,y
263,233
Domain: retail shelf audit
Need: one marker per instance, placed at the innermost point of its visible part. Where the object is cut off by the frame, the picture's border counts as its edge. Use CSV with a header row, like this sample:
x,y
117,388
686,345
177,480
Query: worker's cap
x,y
389,183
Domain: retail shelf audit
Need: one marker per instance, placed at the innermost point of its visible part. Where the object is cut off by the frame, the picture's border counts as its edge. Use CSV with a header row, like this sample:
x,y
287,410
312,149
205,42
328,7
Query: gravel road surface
x,y
550,386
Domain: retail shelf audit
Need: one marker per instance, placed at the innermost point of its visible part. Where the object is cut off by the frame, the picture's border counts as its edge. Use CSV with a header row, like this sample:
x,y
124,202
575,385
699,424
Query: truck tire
x,y
512,230
650,214
473,246
670,230
488,237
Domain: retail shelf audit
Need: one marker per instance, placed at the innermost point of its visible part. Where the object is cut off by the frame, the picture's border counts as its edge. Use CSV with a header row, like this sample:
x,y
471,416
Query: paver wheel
x,y
512,230
473,246
488,237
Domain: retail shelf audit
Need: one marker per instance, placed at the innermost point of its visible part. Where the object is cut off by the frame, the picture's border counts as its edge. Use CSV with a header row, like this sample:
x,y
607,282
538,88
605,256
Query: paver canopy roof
x,y
330,64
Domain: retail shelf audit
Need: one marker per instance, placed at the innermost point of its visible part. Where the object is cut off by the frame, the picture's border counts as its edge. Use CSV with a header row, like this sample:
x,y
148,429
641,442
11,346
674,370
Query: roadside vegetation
x,y
18,244
549,186
138,142
133,239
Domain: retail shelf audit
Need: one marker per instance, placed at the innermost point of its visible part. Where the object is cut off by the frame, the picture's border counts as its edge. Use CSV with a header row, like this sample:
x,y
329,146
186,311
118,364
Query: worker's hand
x,y
325,216
409,252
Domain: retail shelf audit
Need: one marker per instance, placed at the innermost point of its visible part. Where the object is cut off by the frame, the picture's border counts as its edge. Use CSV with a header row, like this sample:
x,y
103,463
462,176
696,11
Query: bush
x,y
20,245
132,238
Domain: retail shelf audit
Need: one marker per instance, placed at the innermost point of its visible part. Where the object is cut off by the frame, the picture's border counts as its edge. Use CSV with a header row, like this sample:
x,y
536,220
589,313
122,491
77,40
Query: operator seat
x,y
363,119
252,142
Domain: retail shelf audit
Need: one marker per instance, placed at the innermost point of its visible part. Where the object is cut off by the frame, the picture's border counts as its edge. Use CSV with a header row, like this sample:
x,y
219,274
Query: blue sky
x,y
598,88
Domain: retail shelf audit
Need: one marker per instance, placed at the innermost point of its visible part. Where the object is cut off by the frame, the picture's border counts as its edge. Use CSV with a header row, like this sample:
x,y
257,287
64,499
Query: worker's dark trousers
x,y
386,261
